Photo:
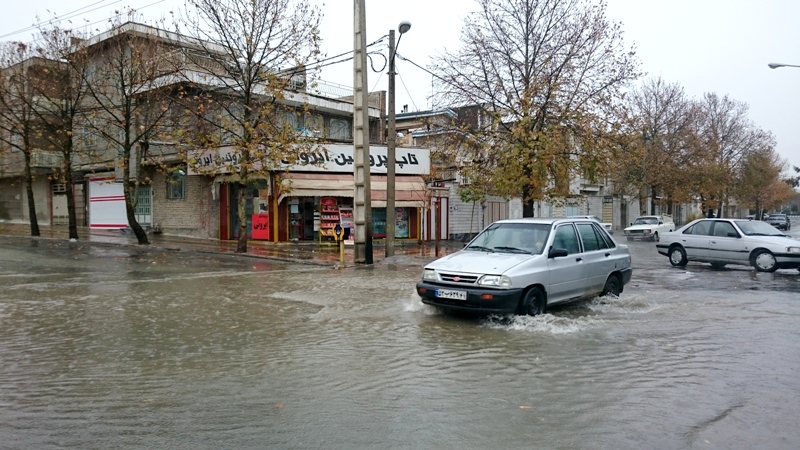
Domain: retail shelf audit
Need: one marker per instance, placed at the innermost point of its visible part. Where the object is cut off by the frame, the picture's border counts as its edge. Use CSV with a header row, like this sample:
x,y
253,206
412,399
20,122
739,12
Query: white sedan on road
x,y
731,241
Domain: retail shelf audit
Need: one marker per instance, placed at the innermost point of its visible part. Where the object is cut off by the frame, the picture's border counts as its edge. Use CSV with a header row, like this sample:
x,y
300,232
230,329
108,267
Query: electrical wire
x,y
73,14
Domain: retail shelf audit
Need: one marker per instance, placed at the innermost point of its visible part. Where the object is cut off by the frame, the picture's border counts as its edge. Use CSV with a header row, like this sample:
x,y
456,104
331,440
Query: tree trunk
x,y
73,222
29,191
241,243
130,210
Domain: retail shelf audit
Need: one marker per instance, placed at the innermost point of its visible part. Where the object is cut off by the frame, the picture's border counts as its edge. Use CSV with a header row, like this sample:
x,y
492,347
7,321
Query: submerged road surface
x,y
106,347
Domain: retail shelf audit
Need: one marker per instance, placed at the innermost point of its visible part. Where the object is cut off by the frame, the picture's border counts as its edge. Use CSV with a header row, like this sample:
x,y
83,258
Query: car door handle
x,y
713,242
578,259
608,254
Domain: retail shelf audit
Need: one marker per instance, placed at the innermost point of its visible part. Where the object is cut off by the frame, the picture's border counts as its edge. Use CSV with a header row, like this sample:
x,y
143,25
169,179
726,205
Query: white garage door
x,y
106,203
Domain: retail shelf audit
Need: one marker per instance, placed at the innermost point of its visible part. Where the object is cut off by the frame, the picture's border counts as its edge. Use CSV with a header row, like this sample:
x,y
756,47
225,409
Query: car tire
x,y
533,303
613,286
677,256
764,261
656,238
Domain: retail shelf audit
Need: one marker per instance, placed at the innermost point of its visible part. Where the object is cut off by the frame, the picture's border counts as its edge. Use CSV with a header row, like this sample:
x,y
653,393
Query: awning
x,y
409,189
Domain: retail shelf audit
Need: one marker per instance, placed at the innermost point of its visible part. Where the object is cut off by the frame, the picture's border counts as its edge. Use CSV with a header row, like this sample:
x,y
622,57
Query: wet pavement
x,y
107,344
407,252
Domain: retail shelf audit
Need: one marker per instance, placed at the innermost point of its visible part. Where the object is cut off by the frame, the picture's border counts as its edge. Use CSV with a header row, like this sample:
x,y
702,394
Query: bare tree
x,y
19,126
59,89
725,137
546,73
127,102
658,149
249,53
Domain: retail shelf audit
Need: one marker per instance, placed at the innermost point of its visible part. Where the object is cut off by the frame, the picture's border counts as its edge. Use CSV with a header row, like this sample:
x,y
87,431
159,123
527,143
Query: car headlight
x,y
793,249
500,281
429,275
648,231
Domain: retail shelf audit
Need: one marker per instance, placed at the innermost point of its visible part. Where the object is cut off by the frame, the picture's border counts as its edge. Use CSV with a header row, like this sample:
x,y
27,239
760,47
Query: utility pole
x,y
391,143
362,211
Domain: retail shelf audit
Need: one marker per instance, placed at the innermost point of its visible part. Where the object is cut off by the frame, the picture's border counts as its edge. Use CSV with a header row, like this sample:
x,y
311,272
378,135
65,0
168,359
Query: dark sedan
x,y
780,221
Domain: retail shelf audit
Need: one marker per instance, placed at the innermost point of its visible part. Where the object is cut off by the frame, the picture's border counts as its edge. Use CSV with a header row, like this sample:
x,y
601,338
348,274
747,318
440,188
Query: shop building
x,y
304,202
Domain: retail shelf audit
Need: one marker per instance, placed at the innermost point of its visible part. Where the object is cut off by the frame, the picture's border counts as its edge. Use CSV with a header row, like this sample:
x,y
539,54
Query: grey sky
x,y
720,46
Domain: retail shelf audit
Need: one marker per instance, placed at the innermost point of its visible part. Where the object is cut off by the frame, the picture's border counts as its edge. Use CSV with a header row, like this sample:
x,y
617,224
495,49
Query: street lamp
x,y
776,65
391,142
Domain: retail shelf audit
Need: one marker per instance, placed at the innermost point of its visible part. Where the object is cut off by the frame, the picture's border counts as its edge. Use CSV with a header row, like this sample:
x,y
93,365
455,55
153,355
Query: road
x,y
125,348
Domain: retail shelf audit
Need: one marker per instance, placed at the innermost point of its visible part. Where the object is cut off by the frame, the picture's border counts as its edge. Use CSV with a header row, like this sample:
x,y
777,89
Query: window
x,y
340,129
287,119
722,229
603,237
573,210
590,240
700,228
567,239
176,185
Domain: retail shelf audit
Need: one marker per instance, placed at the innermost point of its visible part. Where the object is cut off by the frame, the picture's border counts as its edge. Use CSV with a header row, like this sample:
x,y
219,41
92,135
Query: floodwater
x,y
104,347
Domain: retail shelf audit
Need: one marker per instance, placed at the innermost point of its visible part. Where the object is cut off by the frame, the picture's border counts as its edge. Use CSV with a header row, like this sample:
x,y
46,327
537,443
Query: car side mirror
x,y
557,253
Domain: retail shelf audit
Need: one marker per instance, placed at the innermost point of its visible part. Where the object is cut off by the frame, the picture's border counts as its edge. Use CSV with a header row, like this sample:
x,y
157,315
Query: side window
x,y
588,236
700,228
721,229
567,238
602,237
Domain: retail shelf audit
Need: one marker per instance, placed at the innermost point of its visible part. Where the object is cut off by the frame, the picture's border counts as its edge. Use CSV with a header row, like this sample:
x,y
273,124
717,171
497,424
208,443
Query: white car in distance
x,y
608,226
649,228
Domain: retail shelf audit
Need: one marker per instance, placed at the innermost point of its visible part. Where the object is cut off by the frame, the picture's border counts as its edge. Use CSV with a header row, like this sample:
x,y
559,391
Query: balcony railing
x,y
44,159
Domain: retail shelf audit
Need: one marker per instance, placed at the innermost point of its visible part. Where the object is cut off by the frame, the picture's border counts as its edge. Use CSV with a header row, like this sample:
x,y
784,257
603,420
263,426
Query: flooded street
x,y
104,347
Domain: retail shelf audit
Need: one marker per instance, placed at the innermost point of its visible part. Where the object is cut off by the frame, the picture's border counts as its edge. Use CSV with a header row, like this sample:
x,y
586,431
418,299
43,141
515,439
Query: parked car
x,y
523,266
649,227
731,241
607,225
780,221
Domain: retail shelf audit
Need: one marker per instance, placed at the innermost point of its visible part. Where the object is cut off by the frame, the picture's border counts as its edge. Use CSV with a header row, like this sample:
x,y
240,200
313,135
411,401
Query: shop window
x,y
176,185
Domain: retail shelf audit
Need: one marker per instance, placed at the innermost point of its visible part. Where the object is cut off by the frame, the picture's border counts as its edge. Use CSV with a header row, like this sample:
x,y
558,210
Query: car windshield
x,y
777,216
645,221
511,238
757,228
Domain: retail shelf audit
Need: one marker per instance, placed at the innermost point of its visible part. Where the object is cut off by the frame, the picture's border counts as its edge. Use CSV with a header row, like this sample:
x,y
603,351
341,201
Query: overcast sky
x,y
720,46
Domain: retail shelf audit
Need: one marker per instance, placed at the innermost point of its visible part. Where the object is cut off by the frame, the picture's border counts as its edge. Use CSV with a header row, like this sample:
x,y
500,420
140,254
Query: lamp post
x,y
776,65
391,142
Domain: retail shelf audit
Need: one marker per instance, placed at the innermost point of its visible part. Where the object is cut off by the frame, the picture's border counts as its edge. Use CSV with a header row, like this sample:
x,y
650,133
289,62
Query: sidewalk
x,y
327,254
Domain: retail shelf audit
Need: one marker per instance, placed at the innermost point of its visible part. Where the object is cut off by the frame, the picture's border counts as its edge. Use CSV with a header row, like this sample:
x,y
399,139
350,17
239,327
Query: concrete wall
x,y
11,193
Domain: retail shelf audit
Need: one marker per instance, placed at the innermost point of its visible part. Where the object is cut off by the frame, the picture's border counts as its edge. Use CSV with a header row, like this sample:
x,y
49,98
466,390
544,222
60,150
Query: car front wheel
x,y
533,303
656,238
677,256
764,261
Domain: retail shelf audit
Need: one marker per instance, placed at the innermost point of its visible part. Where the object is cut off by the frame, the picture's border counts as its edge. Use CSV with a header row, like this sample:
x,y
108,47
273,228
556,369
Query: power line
x,y
70,15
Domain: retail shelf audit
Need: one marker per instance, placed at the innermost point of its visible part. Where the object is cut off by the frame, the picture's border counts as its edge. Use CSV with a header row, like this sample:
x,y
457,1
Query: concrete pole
x,y
362,211
391,144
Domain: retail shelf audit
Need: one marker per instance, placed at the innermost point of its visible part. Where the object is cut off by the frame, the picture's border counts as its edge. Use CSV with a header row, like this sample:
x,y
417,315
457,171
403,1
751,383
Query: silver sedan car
x,y
731,241
525,265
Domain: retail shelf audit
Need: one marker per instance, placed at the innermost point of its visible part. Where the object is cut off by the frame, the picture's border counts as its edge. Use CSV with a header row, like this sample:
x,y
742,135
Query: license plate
x,y
453,295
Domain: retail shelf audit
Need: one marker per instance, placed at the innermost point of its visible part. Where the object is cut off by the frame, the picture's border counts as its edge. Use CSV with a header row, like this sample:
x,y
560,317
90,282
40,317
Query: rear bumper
x,y
627,274
503,301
